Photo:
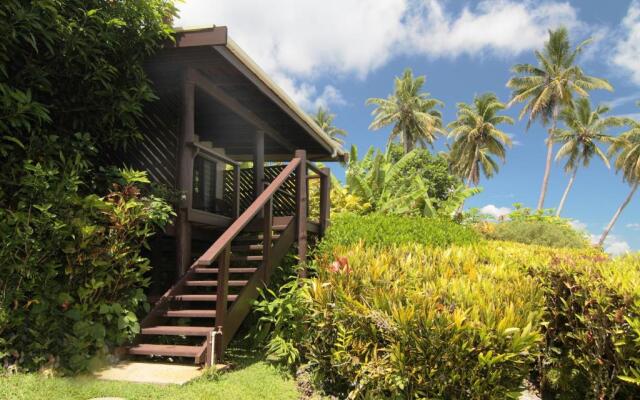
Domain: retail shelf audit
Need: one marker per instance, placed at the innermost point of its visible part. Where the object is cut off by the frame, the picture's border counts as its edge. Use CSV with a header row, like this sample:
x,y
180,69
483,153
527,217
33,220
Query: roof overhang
x,y
217,38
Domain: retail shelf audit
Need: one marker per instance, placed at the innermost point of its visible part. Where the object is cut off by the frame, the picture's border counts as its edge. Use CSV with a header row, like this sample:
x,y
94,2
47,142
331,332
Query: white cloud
x,y
613,244
634,226
495,212
622,100
578,225
627,50
503,26
297,42
617,248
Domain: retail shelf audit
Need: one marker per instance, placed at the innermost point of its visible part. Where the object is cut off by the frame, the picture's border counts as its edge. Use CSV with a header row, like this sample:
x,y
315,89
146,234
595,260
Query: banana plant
x,y
382,183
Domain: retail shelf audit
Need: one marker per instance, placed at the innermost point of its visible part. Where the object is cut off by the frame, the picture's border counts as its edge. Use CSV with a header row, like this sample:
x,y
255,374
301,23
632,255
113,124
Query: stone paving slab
x,y
150,372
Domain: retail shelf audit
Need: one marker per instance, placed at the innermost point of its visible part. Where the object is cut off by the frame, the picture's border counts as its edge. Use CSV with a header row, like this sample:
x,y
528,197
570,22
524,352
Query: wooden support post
x,y
236,192
258,163
266,242
325,200
221,299
185,178
301,210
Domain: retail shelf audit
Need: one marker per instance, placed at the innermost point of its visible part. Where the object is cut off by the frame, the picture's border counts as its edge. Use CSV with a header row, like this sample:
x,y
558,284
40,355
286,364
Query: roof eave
x,y
218,38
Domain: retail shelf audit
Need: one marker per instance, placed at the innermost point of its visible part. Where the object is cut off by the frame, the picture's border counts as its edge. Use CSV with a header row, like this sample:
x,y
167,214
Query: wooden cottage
x,y
217,111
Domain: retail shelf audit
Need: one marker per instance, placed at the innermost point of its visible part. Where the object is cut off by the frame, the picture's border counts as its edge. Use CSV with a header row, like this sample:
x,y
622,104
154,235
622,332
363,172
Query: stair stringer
x,y
242,305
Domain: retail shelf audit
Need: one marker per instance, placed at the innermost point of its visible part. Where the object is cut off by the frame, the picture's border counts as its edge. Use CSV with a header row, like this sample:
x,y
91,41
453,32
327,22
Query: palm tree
x,y
410,111
477,138
626,149
550,86
585,128
324,119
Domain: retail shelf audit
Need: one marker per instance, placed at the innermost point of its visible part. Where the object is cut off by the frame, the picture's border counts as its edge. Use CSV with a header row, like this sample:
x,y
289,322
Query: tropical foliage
x,y
537,232
416,183
410,320
72,273
550,86
324,119
411,112
72,82
477,140
380,231
626,150
586,128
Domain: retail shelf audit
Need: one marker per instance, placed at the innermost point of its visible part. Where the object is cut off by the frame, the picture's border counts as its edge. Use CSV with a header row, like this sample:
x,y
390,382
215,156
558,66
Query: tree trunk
x,y
566,192
617,214
547,167
472,173
407,145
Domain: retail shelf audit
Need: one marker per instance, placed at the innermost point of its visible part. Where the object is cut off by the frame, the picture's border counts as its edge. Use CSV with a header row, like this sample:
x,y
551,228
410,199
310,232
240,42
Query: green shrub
x,y
72,274
415,321
381,230
537,232
72,82
593,334
416,183
591,322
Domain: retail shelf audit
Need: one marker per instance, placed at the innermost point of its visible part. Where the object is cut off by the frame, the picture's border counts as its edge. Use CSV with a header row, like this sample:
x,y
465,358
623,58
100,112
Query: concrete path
x,y
150,372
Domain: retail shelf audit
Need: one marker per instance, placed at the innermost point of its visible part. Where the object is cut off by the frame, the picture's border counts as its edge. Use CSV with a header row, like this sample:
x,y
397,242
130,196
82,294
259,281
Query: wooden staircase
x,y
199,315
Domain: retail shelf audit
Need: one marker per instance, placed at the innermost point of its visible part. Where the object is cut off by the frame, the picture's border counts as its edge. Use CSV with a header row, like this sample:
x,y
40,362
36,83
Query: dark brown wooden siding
x,y
156,152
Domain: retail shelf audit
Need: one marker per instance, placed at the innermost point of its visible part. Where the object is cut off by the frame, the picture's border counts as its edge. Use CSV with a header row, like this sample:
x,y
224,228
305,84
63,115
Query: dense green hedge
x,y
474,321
382,230
72,83
545,233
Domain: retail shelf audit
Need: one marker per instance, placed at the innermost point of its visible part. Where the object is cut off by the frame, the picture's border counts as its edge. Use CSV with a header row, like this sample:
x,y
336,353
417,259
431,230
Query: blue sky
x,y
338,53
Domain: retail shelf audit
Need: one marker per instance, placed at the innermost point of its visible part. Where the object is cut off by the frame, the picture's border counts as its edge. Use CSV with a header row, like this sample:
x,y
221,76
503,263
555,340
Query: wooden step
x,y
273,237
247,247
201,297
232,270
166,350
189,313
177,330
237,257
214,283
254,239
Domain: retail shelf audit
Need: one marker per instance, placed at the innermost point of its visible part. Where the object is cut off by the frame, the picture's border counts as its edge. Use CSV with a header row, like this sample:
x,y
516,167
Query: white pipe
x,y
215,332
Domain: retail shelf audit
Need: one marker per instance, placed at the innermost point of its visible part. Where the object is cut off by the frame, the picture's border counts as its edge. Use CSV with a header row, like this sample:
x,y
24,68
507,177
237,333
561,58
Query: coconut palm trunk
x,y
547,167
472,173
566,192
617,214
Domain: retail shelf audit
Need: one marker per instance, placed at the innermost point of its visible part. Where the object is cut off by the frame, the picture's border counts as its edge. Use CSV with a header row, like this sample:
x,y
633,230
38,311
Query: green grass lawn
x,y
252,379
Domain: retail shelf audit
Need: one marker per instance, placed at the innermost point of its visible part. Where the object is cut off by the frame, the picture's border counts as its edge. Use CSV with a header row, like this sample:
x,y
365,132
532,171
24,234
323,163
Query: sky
x,y
338,53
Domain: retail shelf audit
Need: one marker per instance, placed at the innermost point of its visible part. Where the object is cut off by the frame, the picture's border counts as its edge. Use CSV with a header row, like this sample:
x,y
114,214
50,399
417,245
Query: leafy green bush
x,y
72,83
416,183
403,320
382,230
537,232
414,321
72,274
591,322
593,334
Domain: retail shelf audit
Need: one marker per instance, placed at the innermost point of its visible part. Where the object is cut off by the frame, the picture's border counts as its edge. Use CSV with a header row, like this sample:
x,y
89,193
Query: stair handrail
x,y
245,218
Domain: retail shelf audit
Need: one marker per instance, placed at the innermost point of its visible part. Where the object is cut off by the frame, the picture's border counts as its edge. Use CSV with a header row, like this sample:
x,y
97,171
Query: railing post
x,y
236,192
221,298
301,209
266,242
325,199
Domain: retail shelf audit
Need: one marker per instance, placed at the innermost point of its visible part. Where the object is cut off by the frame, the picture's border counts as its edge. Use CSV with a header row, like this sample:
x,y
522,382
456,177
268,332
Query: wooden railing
x,y
260,211
324,174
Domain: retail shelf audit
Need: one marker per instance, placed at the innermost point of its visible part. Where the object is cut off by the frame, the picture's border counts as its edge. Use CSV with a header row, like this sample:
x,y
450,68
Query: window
x,y
206,194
